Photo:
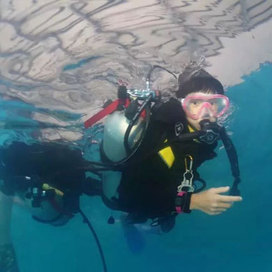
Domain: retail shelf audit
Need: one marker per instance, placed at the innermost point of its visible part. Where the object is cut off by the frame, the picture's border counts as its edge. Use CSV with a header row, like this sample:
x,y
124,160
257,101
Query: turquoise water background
x,y
238,240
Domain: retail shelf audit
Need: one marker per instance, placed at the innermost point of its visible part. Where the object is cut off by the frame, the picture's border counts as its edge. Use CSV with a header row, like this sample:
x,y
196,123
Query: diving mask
x,y
199,106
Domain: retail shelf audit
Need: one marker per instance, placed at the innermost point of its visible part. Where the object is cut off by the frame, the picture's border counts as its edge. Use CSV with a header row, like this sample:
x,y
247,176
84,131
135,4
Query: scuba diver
x,y
47,179
150,154
154,150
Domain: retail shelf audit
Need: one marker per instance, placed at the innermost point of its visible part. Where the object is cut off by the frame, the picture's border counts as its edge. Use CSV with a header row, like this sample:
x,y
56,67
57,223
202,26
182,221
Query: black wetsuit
x,y
54,164
148,189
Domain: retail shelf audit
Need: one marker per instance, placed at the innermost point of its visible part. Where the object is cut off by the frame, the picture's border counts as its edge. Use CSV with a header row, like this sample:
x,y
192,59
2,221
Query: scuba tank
x,y
115,128
124,129
46,203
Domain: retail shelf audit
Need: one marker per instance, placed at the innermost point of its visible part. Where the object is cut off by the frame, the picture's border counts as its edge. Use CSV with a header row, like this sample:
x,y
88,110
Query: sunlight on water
x,y
68,56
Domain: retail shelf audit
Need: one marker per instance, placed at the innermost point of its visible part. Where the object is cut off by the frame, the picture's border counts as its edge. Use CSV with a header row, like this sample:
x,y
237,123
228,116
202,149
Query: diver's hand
x,y
212,202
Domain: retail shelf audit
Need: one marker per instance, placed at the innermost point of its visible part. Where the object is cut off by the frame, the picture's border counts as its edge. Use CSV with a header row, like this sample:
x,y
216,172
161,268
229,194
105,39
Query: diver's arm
x,y
212,201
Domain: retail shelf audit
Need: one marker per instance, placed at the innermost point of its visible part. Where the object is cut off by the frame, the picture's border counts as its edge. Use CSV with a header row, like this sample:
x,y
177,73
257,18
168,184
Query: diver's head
x,y
202,96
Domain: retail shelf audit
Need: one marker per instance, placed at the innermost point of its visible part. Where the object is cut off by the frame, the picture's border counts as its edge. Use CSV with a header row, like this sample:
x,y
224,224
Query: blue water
x,y
238,240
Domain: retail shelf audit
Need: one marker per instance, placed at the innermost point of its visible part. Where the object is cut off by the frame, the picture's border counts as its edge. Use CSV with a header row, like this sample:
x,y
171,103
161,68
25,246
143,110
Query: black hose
x,y
158,67
144,106
233,157
87,221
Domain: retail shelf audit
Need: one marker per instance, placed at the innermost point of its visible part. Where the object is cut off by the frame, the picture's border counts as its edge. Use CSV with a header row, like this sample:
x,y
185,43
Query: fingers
x,y
224,205
221,189
216,208
219,207
224,198
216,211
213,202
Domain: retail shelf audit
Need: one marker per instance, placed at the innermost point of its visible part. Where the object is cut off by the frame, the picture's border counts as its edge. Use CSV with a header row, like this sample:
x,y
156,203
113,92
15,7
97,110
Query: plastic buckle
x,y
188,176
187,183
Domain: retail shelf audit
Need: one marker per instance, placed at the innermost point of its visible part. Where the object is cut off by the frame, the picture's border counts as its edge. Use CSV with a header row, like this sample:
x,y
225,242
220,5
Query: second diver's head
x,y
202,96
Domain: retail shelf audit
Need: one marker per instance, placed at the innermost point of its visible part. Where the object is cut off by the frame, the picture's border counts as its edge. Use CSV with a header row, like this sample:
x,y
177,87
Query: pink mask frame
x,y
206,105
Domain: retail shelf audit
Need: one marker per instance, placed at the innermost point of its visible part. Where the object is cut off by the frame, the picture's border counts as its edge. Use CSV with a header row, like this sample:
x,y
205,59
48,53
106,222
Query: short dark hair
x,y
192,80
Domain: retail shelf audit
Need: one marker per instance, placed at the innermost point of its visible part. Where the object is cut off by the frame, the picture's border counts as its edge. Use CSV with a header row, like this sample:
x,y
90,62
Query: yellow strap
x,y
167,155
46,186
192,130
